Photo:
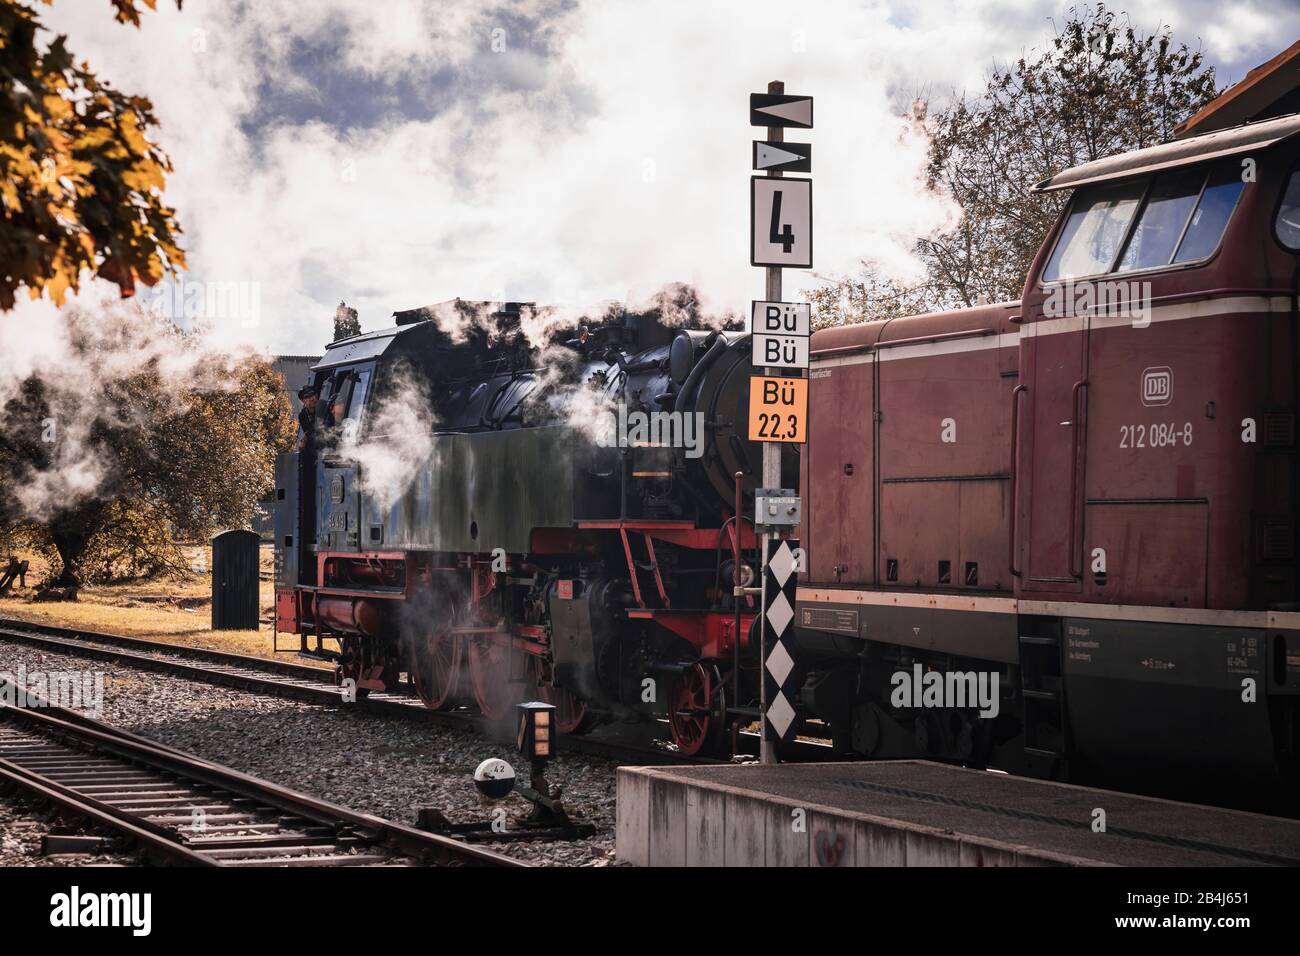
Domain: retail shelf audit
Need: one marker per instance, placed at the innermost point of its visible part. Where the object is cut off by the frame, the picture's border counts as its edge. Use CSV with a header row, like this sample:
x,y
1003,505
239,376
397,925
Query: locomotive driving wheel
x,y
571,713
697,710
350,667
436,666
499,677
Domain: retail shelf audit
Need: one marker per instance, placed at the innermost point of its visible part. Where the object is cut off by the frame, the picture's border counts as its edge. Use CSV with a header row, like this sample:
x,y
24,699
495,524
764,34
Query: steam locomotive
x,y
527,556
1091,493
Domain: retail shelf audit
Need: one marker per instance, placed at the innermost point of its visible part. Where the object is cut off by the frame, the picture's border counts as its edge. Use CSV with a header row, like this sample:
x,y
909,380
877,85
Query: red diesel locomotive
x,y
1091,493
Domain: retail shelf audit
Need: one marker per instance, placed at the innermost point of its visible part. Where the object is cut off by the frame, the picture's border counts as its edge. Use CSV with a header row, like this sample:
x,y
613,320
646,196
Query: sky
x,y
397,153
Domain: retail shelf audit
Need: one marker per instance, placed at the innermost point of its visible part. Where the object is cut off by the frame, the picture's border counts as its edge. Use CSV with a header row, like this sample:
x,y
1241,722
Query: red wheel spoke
x,y
436,668
497,686
693,713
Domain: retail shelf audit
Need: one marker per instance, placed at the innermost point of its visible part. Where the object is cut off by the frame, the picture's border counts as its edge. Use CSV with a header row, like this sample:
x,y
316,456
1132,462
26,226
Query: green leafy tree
x,y
80,181
1099,87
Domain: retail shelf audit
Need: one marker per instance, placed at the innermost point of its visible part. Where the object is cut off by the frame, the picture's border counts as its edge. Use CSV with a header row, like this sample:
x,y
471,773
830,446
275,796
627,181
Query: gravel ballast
x,y
21,828
373,764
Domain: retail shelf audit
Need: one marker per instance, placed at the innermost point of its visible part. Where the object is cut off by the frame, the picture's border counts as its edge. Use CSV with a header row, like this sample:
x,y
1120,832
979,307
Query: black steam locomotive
x,y
567,529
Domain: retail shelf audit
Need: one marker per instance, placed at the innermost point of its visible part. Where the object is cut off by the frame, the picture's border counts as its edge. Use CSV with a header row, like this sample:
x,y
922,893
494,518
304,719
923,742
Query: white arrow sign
x,y
800,111
771,156
785,157
780,109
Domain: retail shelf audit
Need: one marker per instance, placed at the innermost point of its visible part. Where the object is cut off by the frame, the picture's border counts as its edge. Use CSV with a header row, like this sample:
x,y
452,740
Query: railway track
x,y
178,809
316,685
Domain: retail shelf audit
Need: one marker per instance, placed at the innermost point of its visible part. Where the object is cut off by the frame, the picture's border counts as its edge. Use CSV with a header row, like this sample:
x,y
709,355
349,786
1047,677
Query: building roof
x,y
1270,89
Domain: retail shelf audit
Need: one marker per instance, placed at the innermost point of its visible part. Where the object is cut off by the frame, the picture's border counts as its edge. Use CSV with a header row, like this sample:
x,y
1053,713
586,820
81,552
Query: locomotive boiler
x,y
568,532
1090,493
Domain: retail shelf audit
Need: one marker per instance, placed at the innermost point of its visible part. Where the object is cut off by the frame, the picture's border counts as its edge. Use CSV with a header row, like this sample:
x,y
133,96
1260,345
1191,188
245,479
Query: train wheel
x,y
351,666
499,683
696,711
435,668
571,713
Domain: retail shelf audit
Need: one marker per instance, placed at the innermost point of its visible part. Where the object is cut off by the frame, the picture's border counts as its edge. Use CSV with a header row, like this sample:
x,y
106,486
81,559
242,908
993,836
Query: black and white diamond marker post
x,y
779,580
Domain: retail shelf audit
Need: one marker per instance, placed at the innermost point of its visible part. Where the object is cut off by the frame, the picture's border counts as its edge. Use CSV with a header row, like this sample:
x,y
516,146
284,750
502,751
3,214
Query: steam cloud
x,y
396,440
80,356
530,151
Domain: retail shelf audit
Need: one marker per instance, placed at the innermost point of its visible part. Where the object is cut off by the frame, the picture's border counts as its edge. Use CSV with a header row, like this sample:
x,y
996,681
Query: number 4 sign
x,y
780,222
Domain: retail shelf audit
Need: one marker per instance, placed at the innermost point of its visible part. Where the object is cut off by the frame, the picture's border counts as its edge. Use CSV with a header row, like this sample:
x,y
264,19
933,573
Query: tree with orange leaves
x,y
81,183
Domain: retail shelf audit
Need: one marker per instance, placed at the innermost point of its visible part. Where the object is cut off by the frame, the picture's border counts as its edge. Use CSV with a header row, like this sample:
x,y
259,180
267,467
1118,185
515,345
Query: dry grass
x,y
176,609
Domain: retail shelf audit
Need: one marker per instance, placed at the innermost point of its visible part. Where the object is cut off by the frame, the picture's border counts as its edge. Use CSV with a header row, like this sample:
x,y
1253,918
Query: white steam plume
x,y
396,439
536,151
80,355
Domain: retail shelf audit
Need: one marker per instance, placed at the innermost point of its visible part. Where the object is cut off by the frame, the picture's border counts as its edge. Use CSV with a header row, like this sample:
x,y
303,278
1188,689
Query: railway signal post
x,y
780,237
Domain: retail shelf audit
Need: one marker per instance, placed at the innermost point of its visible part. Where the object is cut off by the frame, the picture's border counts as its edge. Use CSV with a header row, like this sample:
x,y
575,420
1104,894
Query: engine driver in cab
x,y
307,418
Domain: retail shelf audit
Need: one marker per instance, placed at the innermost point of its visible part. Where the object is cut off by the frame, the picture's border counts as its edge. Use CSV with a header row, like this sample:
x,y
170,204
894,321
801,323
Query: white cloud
x,y
605,150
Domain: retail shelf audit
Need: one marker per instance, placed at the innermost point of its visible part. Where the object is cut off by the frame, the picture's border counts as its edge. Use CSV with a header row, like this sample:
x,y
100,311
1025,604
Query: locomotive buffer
x,y
780,237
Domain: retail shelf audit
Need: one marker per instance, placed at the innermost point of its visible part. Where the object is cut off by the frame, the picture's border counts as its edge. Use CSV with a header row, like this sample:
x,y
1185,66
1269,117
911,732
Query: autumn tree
x,y
138,436
1099,87
80,181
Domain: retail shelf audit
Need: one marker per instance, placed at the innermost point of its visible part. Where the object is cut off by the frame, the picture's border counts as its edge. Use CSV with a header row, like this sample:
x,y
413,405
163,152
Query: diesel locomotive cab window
x,y
1169,204
1093,232
1213,211
1182,216
1288,215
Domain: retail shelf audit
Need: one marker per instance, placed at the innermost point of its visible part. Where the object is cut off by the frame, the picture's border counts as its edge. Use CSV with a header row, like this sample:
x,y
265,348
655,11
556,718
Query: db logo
x,y
1157,386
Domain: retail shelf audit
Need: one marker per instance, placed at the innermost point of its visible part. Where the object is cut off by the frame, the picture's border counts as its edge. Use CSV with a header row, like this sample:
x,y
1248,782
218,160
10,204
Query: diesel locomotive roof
x,y
928,327
1179,152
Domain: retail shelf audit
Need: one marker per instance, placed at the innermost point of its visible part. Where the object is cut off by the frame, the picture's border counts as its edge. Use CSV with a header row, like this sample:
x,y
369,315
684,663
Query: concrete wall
x,y
672,821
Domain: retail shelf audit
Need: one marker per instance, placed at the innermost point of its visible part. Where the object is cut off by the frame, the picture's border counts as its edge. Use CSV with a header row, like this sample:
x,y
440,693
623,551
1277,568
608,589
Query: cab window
x,y
1176,217
1287,225
1172,198
1093,232
336,393
1215,207
360,390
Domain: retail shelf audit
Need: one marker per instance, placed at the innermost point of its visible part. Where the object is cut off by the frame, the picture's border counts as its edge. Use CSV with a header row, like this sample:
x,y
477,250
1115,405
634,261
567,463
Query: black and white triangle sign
x,y
780,109
782,157
780,673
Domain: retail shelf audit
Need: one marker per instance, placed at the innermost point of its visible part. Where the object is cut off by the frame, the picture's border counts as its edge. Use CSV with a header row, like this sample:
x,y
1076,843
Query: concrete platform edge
x,y
663,820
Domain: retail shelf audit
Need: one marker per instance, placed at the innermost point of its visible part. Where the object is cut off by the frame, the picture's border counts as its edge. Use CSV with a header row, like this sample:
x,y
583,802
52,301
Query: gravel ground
x,y
385,767
21,828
